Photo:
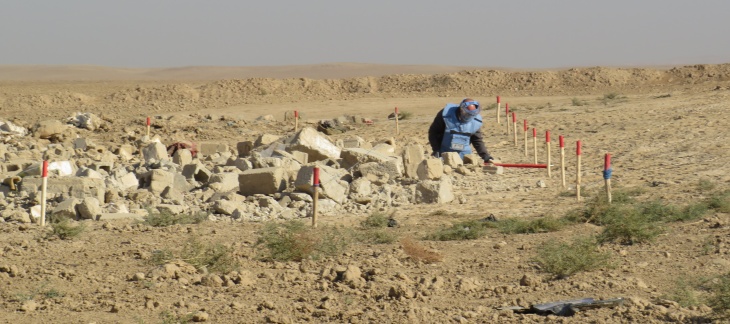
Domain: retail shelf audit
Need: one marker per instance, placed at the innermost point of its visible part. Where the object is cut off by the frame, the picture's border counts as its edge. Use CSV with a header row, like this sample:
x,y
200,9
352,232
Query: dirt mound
x,y
163,94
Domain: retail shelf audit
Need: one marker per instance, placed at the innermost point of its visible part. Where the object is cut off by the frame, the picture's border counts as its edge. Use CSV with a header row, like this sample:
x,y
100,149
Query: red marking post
x,y
607,162
45,169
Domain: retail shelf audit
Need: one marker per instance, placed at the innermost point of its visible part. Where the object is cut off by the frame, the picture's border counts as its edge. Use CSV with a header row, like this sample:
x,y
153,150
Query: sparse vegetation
x,y
294,241
577,102
705,185
523,226
214,257
42,291
377,236
419,252
163,219
168,317
683,293
469,230
612,97
564,259
65,230
403,115
719,298
720,202
375,220
626,225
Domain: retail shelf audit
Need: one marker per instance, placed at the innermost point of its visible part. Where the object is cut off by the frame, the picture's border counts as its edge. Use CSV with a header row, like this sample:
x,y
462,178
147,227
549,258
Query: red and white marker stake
x,y
524,130
506,115
514,126
499,107
315,186
547,147
577,174
149,122
44,187
606,167
534,142
296,120
562,160
397,129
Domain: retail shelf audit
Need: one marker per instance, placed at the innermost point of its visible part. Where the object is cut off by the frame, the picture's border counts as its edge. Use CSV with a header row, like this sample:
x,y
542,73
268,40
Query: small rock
x,y
200,316
29,306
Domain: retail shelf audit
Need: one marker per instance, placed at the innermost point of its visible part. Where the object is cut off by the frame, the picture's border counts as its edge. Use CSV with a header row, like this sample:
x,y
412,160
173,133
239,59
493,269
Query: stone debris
x,y
268,178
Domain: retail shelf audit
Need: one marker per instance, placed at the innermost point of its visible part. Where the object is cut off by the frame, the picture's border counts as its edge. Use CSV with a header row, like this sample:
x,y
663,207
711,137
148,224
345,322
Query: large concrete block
x,y
412,156
389,169
244,148
432,191
353,156
89,208
452,159
223,181
159,180
196,171
266,139
66,209
76,187
155,151
313,143
210,148
182,157
265,181
331,182
430,169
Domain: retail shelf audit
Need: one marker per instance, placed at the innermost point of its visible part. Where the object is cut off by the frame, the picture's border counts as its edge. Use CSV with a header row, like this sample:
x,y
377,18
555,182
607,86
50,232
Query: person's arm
x,y
477,140
436,132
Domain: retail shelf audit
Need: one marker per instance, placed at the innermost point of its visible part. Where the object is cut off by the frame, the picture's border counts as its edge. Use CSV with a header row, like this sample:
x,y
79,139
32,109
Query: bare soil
x,y
666,130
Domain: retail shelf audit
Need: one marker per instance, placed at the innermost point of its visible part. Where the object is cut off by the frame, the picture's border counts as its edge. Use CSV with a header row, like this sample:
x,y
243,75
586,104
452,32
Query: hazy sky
x,y
519,34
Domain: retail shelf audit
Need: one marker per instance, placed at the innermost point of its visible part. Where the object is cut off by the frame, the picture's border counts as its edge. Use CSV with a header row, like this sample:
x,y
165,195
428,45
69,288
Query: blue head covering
x,y
467,114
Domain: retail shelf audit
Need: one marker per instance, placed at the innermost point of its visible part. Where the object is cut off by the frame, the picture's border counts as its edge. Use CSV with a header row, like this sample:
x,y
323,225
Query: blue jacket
x,y
458,133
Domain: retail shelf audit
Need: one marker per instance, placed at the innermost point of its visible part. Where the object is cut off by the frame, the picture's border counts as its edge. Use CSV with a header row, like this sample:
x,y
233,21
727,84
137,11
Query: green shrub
x,y
294,241
377,236
720,202
523,226
214,257
64,229
564,259
375,220
403,115
163,219
469,230
577,102
624,224
683,293
719,298
705,185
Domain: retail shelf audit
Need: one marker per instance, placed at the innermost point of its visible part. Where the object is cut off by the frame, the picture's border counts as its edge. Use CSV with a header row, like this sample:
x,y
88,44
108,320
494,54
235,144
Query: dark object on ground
x,y
172,148
392,222
490,218
567,307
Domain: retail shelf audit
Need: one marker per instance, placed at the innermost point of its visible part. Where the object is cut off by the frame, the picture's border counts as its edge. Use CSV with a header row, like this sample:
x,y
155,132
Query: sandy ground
x,y
665,130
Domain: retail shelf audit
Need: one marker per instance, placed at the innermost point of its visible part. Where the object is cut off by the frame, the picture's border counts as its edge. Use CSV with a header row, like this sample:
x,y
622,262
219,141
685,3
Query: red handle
x,y
577,148
607,162
547,136
532,166
148,121
316,177
45,169
525,123
499,99
562,141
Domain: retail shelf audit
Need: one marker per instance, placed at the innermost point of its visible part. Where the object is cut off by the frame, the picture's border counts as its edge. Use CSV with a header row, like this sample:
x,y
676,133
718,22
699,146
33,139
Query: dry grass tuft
x,y
419,252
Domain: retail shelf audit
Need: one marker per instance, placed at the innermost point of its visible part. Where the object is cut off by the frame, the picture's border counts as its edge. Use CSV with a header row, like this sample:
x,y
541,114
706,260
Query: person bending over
x,y
456,127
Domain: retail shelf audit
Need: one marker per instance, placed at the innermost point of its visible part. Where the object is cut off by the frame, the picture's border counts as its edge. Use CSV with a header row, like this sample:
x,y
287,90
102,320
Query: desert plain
x,y
665,128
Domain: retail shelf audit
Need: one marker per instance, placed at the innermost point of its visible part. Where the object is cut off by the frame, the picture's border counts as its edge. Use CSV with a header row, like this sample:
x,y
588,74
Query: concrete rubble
x,y
262,179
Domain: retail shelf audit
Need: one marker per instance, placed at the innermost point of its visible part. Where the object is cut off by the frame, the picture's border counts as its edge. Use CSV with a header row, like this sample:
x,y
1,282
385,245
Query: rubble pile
x,y
267,178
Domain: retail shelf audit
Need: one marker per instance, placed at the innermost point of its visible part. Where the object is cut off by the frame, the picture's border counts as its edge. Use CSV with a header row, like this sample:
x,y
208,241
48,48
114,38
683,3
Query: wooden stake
x,y
397,129
577,169
506,116
524,130
296,120
607,175
44,187
562,160
148,126
315,185
514,126
547,147
499,107
534,142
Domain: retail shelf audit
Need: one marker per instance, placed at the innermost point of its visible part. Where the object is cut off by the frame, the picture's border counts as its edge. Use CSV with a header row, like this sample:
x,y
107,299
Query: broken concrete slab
x,y
331,183
317,146
433,191
430,169
265,181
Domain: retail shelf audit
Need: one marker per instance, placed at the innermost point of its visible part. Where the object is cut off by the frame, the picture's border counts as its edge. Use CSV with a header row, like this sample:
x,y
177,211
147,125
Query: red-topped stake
x,y
315,198
534,143
44,190
514,126
506,115
149,122
607,175
524,130
577,169
562,160
499,107
296,120
547,149
397,129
